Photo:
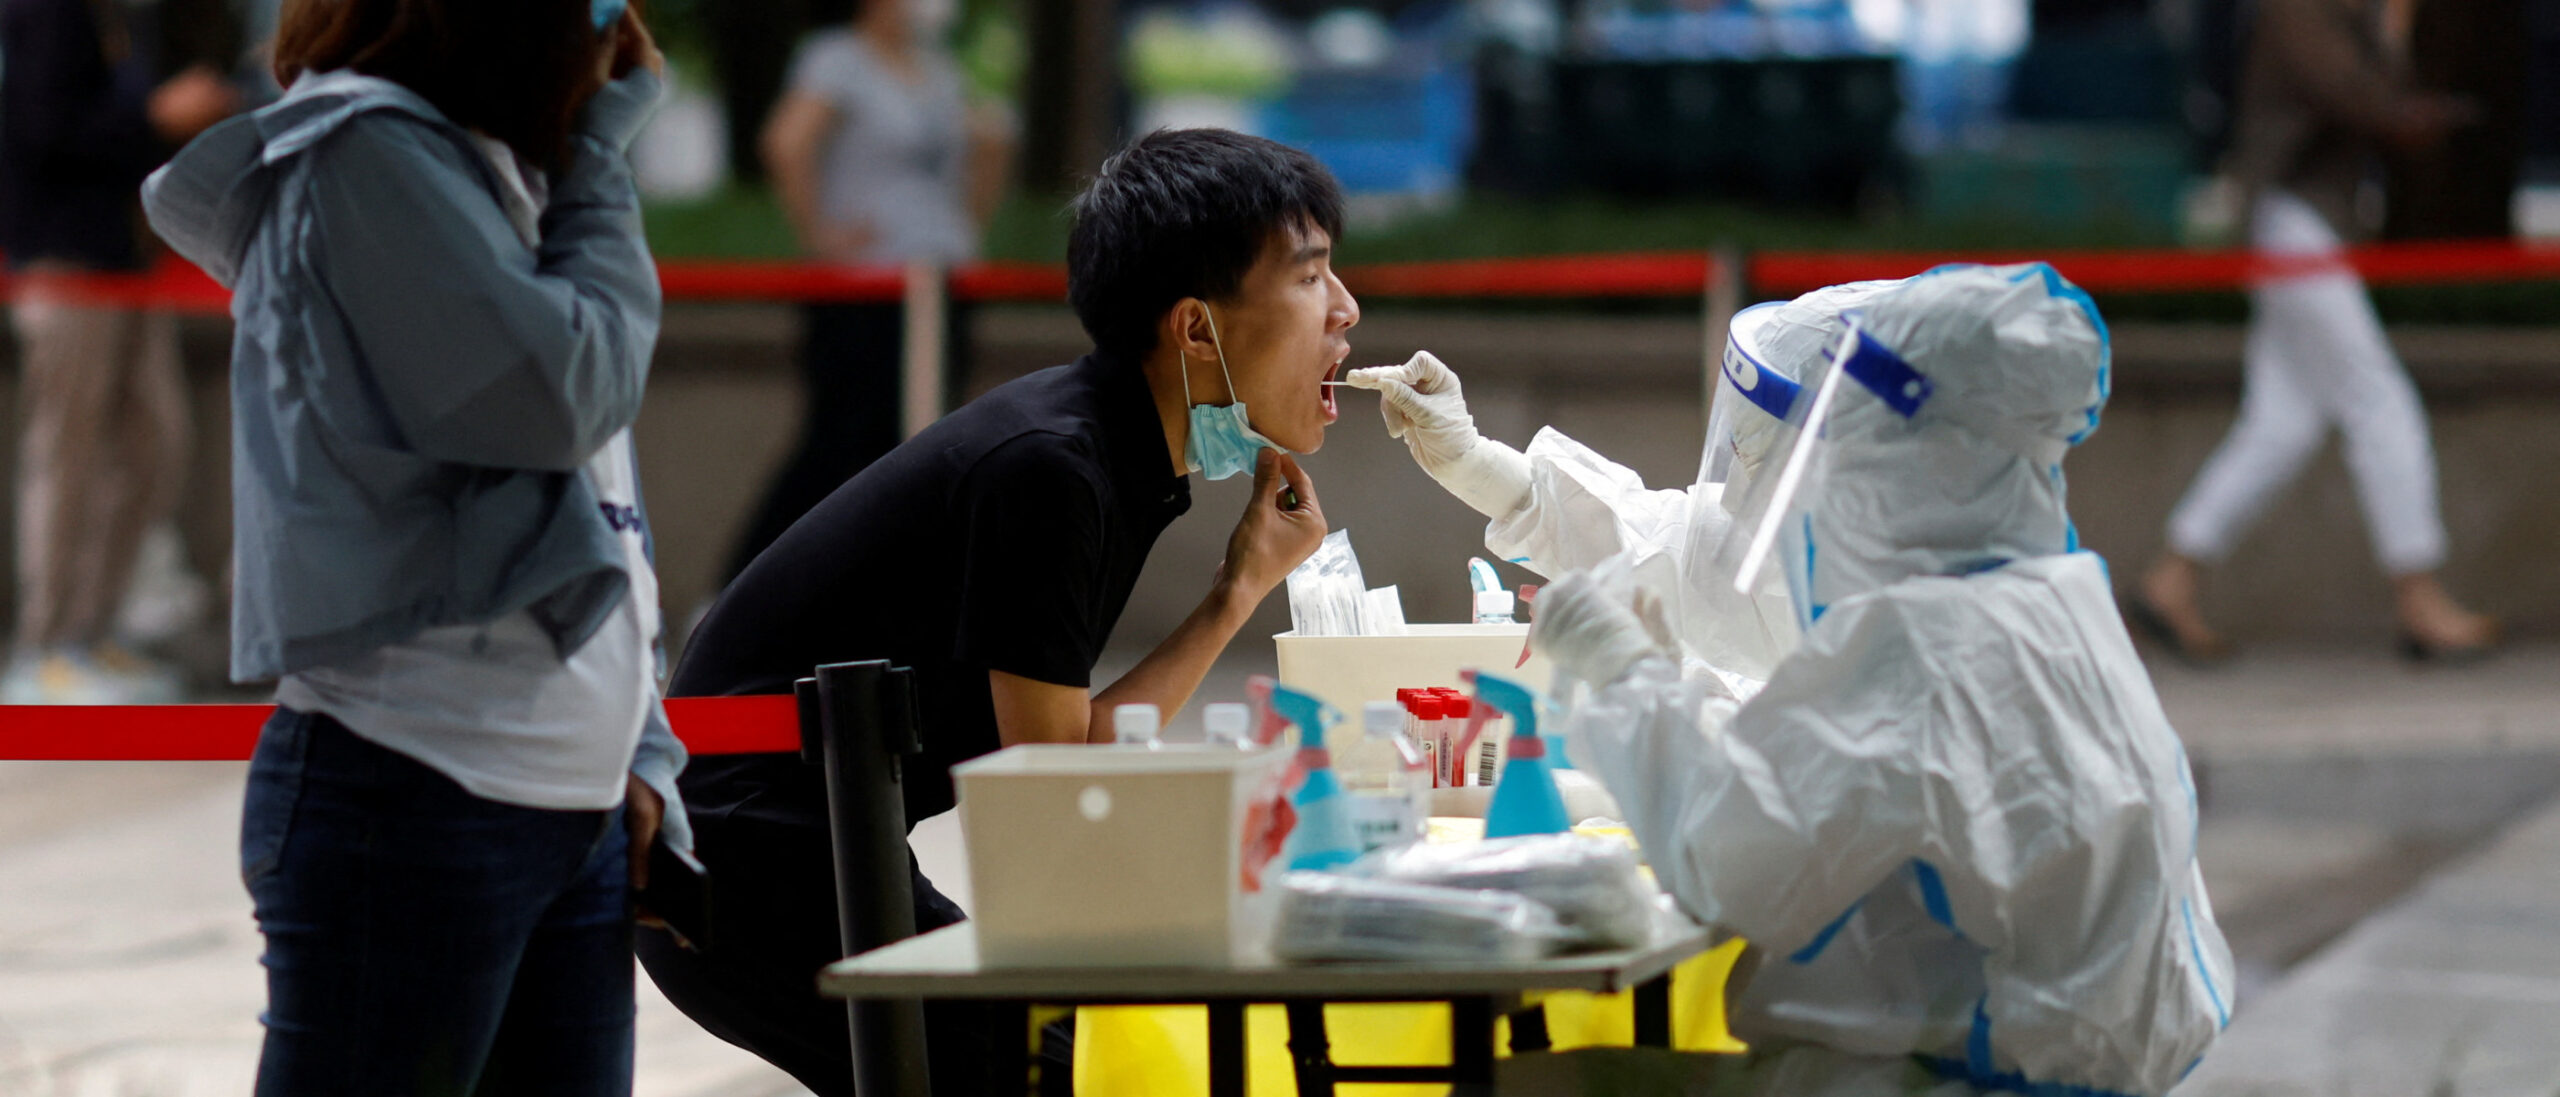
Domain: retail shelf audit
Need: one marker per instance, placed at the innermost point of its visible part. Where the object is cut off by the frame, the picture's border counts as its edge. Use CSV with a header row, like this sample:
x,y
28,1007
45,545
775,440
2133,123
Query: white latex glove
x,y
1423,406
1593,633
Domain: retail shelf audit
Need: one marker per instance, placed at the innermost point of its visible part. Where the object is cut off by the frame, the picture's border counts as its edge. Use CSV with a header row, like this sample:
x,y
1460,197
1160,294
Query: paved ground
x,y
2452,991
2337,782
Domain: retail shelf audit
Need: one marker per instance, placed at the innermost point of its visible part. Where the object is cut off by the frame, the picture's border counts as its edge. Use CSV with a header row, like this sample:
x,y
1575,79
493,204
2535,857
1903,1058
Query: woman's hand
x,y
642,811
632,47
846,242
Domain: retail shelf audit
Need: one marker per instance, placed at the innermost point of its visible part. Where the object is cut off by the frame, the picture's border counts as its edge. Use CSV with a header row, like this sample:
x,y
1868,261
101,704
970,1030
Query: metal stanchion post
x,y
925,368
1723,298
866,725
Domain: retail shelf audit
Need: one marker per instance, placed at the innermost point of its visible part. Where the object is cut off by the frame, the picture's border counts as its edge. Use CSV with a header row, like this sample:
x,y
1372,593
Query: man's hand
x,y
190,103
1274,538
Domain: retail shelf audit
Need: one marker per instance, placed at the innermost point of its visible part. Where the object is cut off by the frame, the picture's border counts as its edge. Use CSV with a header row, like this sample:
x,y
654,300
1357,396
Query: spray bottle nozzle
x,y
1268,721
1494,692
1291,705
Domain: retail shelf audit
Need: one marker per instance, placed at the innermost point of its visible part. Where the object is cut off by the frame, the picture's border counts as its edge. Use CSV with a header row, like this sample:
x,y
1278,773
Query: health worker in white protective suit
x,y
1955,821
1560,506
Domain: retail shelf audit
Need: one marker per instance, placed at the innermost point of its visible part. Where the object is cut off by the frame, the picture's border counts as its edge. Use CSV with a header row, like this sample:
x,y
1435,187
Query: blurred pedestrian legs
x,y
102,444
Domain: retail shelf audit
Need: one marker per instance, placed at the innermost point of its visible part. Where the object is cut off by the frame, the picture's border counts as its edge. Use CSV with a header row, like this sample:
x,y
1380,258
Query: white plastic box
x,y
1349,671
1105,857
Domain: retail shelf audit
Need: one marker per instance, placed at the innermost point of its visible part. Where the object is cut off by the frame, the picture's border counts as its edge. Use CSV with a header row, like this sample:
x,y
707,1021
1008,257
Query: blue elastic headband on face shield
x,y
606,12
1767,389
1885,374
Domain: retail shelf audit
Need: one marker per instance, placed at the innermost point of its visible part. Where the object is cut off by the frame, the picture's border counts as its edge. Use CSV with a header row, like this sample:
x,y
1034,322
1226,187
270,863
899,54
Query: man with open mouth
x,y
994,552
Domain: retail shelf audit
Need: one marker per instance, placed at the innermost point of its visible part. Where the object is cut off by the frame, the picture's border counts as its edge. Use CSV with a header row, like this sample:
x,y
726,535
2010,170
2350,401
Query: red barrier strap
x,y
1635,274
228,733
176,285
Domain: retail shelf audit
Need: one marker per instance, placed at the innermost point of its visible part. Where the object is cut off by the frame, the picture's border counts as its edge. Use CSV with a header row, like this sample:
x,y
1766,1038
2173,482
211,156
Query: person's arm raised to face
x,y
1271,540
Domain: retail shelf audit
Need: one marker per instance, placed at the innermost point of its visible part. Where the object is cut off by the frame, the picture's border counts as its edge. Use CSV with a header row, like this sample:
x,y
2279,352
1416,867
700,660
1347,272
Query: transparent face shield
x,y
1751,402
1773,523
1747,423
1769,501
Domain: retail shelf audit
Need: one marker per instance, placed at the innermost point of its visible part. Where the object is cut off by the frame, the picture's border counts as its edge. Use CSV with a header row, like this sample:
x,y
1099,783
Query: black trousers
x,y
851,361
757,988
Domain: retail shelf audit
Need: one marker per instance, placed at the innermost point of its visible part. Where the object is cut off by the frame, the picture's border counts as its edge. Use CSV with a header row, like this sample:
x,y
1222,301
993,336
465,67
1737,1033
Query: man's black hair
x,y
1184,213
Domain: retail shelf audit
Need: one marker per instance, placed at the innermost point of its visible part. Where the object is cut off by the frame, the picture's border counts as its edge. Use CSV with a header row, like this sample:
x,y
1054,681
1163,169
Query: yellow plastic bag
x,y
1163,1051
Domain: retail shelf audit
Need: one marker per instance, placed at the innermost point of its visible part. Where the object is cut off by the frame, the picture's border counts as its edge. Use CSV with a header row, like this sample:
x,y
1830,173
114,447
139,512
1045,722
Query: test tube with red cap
x,y
1426,708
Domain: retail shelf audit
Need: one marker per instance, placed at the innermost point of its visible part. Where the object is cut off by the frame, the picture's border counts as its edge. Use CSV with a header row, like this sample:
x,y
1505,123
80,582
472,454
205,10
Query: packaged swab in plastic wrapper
x,y
1595,886
1326,594
1382,612
1325,916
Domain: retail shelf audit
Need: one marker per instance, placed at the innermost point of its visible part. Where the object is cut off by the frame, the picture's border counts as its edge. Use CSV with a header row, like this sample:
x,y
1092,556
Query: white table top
x,y
944,964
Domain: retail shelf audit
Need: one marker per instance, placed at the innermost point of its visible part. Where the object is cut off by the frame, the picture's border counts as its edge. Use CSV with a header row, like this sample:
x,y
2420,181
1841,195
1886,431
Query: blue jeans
x,y
425,942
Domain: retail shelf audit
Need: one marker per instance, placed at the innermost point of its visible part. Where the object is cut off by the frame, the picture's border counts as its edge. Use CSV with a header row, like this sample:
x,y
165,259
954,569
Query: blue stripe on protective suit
x,y
1976,1068
2010,1081
2204,971
2056,285
1822,940
1933,895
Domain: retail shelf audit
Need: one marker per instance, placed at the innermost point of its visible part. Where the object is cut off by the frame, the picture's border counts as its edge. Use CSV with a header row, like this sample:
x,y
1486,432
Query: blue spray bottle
x,y
1323,838
1525,800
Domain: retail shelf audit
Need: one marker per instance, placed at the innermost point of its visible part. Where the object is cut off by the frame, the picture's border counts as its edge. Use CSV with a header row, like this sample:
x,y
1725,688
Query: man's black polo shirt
x,y
1005,537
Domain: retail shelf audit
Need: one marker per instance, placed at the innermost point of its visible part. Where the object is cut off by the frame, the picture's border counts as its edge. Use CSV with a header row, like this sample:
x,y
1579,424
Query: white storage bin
x,y
1350,671
1086,856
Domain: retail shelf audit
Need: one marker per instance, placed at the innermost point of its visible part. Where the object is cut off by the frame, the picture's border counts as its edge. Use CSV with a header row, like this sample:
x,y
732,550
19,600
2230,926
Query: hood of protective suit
x,y
1943,452
1769,350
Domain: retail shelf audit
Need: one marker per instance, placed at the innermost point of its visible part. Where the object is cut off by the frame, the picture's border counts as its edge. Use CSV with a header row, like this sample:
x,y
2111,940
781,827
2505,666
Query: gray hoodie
x,y
414,391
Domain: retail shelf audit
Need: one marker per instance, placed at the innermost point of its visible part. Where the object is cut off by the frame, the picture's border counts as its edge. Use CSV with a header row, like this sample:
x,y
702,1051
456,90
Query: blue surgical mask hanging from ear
x,y
1223,440
606,13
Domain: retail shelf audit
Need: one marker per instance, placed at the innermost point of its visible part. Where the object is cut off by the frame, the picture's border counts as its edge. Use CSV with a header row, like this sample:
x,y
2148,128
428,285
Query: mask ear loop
x,y
1186,364
1222,355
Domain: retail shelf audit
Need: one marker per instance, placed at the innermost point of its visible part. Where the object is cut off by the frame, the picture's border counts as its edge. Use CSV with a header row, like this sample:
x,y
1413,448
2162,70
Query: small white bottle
x,y
1387,779
1493,607
1227,724
1138,726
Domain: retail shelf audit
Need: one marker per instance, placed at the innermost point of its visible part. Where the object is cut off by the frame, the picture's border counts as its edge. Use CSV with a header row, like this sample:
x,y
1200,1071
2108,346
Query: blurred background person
x,y
878,158
85,113
2323,91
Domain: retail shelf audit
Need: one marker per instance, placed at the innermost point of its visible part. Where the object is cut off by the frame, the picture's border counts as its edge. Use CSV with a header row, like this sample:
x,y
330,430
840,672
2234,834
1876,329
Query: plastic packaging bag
x,y
1595,886
1324,916
1326,594
1382,612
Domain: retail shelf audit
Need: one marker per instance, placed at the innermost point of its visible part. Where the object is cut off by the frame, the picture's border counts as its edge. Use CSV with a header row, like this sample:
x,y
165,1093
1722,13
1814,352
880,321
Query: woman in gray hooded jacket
x,y
444,313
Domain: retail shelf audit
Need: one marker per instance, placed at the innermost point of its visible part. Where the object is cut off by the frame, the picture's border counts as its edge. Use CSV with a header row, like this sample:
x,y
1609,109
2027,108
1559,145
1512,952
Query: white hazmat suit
x,y
1955,820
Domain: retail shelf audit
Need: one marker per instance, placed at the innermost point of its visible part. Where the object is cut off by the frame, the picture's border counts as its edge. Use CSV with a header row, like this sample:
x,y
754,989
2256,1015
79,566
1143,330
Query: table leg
x,y
1471,1047
1529,1031
1226,1049
1011,1022
1310,1049
1653,1012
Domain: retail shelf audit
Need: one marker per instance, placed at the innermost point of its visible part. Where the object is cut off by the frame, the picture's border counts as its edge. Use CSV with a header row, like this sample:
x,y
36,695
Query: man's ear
x,y
1187,329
